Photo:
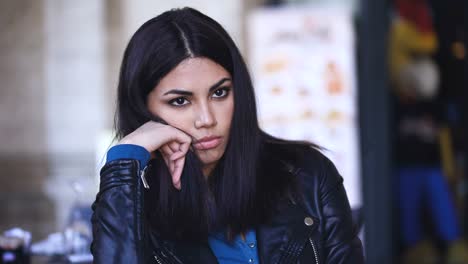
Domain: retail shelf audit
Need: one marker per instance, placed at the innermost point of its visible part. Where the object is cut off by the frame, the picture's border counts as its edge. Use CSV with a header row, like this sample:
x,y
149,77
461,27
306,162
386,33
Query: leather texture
x,y
313,223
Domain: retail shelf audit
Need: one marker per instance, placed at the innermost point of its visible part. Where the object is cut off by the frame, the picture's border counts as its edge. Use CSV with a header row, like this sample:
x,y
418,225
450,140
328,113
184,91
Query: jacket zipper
x,y
158,260
143,178
315,251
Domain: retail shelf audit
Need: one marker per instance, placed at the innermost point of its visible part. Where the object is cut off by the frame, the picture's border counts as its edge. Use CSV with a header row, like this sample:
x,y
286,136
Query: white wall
x,y
228,13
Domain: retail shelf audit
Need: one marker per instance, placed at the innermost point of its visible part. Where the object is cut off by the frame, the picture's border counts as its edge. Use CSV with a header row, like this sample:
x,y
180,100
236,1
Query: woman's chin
x,y
209,157
208,165
209,162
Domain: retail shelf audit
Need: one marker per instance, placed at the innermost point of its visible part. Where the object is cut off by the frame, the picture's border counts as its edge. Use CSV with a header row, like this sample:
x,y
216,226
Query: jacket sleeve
x,y
117,214
341,244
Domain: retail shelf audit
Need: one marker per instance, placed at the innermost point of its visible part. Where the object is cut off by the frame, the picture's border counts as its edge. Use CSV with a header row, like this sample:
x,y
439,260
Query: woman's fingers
x,y
178,159
184,147
167,152
178,167
174,146
177,155
180,138
180,150
174,153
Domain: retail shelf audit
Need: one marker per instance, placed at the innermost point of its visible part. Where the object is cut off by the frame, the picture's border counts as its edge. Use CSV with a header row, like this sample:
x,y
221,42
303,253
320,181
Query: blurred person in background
x,y
422,186
194,179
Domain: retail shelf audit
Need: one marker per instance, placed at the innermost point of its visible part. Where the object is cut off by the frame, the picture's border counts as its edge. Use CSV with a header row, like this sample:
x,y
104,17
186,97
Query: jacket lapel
x,y
284,237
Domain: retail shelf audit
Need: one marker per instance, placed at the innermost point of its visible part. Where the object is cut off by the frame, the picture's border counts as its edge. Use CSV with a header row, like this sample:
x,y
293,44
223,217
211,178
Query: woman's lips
x,y
208,143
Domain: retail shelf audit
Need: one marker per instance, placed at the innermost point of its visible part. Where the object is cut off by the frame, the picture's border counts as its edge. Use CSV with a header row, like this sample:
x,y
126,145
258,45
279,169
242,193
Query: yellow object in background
x,y
446,154
406,41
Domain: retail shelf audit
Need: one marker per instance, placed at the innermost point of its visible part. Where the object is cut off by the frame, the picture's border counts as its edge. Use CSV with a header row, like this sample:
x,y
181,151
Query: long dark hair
x,y
242,190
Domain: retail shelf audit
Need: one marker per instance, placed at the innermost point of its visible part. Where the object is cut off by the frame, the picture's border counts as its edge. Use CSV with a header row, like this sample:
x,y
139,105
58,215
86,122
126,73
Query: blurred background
x,y
381,84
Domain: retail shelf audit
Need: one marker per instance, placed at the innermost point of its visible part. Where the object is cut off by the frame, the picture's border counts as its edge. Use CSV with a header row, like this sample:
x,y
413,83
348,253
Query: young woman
x,y
194,179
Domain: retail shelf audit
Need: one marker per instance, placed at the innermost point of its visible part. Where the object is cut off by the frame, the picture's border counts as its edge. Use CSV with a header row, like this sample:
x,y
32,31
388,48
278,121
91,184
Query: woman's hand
x,y
171,142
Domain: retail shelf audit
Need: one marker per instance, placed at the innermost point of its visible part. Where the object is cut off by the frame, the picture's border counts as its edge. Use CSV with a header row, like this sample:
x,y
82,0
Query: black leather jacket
x,y
316,228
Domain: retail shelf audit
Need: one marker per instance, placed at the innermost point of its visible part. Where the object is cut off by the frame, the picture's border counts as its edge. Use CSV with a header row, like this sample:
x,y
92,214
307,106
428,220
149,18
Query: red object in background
x,y
416,12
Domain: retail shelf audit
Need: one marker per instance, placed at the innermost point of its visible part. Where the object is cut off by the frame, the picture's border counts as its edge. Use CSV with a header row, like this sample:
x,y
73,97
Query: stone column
x,y
74,103
23,160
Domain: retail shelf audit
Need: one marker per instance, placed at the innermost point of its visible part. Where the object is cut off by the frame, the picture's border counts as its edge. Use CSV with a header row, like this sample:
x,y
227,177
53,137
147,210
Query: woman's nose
x,y
205,117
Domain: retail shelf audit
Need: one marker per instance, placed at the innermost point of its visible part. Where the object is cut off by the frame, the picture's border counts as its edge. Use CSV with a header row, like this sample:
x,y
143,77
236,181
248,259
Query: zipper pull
x,y
143,178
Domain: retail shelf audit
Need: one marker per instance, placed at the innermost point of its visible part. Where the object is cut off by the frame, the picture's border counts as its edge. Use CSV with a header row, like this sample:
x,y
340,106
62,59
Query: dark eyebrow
x,y
180,92
216,85
187,93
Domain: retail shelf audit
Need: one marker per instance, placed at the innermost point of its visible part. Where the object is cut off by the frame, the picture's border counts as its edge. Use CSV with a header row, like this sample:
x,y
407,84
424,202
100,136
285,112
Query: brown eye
x,y
220,93
180,101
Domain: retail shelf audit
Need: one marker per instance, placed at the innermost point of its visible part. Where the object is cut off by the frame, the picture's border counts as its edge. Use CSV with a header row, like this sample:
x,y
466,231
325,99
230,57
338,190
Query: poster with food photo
x,y
303,66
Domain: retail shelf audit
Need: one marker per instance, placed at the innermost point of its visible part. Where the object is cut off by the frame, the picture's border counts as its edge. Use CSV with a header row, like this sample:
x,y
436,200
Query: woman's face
x,y
197,98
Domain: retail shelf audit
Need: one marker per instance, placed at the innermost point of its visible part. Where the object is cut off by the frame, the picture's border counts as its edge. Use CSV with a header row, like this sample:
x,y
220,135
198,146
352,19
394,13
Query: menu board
x,y
302,61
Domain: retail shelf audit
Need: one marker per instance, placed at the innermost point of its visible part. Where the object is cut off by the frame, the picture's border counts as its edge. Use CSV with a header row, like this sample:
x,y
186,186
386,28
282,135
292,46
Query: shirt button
x,y
251,261
308,221
251,245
